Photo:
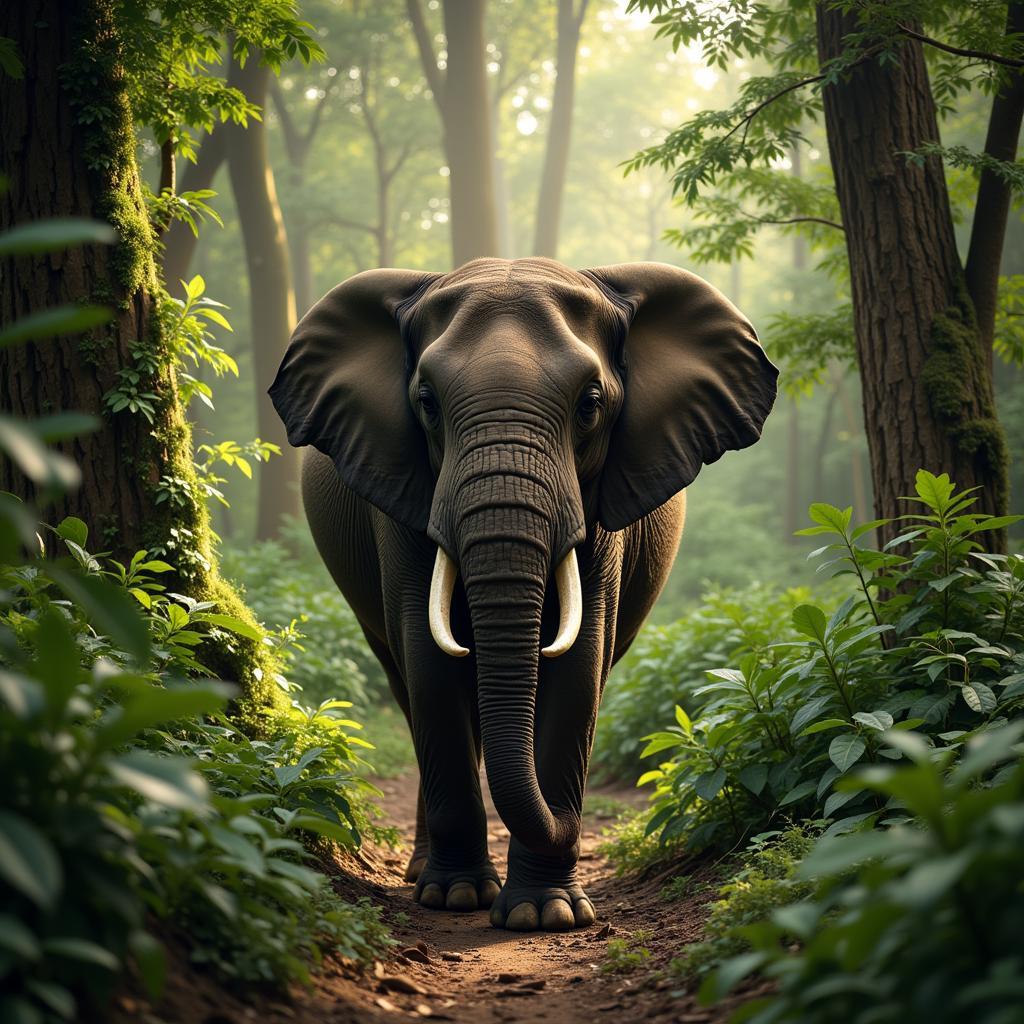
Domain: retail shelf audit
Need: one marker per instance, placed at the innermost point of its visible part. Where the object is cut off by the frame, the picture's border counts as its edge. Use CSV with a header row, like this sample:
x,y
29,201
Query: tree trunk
x,y
63,163
926,381
179,239
992,208
556,154
468,134
271,300
794,509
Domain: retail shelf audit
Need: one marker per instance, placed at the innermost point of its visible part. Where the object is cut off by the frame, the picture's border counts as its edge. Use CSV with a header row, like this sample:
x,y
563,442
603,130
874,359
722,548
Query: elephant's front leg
x,y
458,874
542,889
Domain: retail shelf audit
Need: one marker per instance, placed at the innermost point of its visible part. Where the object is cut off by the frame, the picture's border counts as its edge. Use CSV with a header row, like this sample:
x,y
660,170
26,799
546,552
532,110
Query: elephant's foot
x,y
465,889
413,870
550,908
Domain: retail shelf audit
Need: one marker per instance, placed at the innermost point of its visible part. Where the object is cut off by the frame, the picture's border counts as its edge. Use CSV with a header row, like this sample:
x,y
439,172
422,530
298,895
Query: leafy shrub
x,y
326,654
917,921
130,795
666,665
627,954
931,637
766,881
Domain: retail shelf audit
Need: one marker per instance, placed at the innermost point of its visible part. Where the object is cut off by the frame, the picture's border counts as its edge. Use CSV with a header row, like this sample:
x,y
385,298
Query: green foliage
x,y
932,634
323,645
917,921
627,954
667,665
766,881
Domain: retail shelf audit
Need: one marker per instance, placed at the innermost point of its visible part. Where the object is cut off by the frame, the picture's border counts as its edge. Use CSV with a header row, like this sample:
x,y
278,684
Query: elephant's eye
x,y
428,404
588,408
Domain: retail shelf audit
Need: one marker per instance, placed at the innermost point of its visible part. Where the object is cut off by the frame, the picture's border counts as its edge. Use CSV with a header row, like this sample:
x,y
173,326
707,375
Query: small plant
x,y
625,955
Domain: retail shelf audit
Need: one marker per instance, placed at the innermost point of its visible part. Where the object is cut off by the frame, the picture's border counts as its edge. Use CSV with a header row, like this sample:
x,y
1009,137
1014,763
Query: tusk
x,y
442,586
570,605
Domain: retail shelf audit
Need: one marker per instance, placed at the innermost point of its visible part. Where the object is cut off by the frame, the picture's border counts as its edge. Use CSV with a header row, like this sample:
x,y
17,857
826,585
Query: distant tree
x,y
67,144
556,155
460,91
271,299
923,323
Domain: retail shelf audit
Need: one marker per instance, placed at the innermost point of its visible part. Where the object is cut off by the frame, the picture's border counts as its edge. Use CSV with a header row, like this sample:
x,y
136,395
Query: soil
x,y
456,967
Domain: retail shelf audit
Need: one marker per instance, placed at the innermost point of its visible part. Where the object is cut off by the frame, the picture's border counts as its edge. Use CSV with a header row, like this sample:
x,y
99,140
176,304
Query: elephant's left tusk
x,y
442,586
570,606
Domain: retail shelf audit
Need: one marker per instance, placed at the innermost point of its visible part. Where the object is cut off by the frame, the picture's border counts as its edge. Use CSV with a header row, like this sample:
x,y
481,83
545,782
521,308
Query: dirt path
x,y
456,967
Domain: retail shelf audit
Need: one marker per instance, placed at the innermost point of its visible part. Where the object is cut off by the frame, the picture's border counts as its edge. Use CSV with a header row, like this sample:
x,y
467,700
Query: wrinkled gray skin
x,y
521,410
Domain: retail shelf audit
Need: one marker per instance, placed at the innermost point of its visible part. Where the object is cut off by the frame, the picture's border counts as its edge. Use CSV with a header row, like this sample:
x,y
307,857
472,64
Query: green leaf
x,y
52,323
17,938
824,725
810,621
110,610
54,234
43,467
837,520
799,792
229,622
164,780
934,491
28,861
23,696
877,720
55,996
83,950
684,720
154,705
833,855
979,697
72,528
709,784
846,750
754,777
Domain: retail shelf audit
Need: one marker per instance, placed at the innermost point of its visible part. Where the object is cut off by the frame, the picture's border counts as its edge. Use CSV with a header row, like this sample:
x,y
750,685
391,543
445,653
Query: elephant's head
x,y
504,409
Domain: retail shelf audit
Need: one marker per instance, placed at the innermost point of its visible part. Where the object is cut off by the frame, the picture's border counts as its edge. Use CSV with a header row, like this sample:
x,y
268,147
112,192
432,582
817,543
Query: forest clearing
x,y
508,511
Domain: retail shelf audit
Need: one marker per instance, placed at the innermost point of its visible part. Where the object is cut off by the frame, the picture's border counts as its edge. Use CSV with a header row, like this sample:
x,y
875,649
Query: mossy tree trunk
x,y
67,144
926,375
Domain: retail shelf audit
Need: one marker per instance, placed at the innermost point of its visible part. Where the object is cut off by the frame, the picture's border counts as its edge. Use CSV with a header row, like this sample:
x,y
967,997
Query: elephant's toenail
x,y
583,911
523,918
432,896
488,893
557,916
415,869
462,896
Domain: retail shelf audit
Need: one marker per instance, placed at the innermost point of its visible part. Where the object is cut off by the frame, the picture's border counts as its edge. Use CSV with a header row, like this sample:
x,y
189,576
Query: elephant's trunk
x,y
508,527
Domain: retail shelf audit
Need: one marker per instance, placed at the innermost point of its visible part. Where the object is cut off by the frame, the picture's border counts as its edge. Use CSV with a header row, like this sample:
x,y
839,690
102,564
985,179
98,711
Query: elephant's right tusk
x,y
442,586
570,606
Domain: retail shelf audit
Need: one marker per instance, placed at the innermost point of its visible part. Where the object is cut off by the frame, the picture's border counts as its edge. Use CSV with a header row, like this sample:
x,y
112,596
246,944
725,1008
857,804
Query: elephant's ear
x,y
343,388
697,384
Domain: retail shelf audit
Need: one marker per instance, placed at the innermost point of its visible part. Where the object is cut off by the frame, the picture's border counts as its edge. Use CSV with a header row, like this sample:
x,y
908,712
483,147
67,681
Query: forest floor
x,y
456,967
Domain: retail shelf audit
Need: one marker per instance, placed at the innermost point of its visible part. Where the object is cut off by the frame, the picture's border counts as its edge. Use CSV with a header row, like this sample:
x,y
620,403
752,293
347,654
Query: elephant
x,y
496,484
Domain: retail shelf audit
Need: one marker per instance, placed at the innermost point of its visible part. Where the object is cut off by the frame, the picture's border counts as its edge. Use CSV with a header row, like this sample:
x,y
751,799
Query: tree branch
x,y
958,51
428,58
292,142
344,222
794,220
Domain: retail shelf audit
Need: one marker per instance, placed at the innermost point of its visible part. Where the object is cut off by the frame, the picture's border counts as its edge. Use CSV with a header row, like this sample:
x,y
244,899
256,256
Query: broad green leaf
x,y
709,784
230,623
846,750
834,854
54,234
28,861
164,780
150,960
877,720
799,792
934,491
45,468
927,883
154,706
111,611
74,529
55,996
82,949
824,725
684,720
979,697
23,696
53,323
810,621
837,520
17,938
754,777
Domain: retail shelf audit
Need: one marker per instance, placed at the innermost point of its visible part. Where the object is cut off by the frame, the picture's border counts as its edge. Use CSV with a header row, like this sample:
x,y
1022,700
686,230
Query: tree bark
x,y
271,300
468,136
556,153
926,385
65,164
179,240
992,208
